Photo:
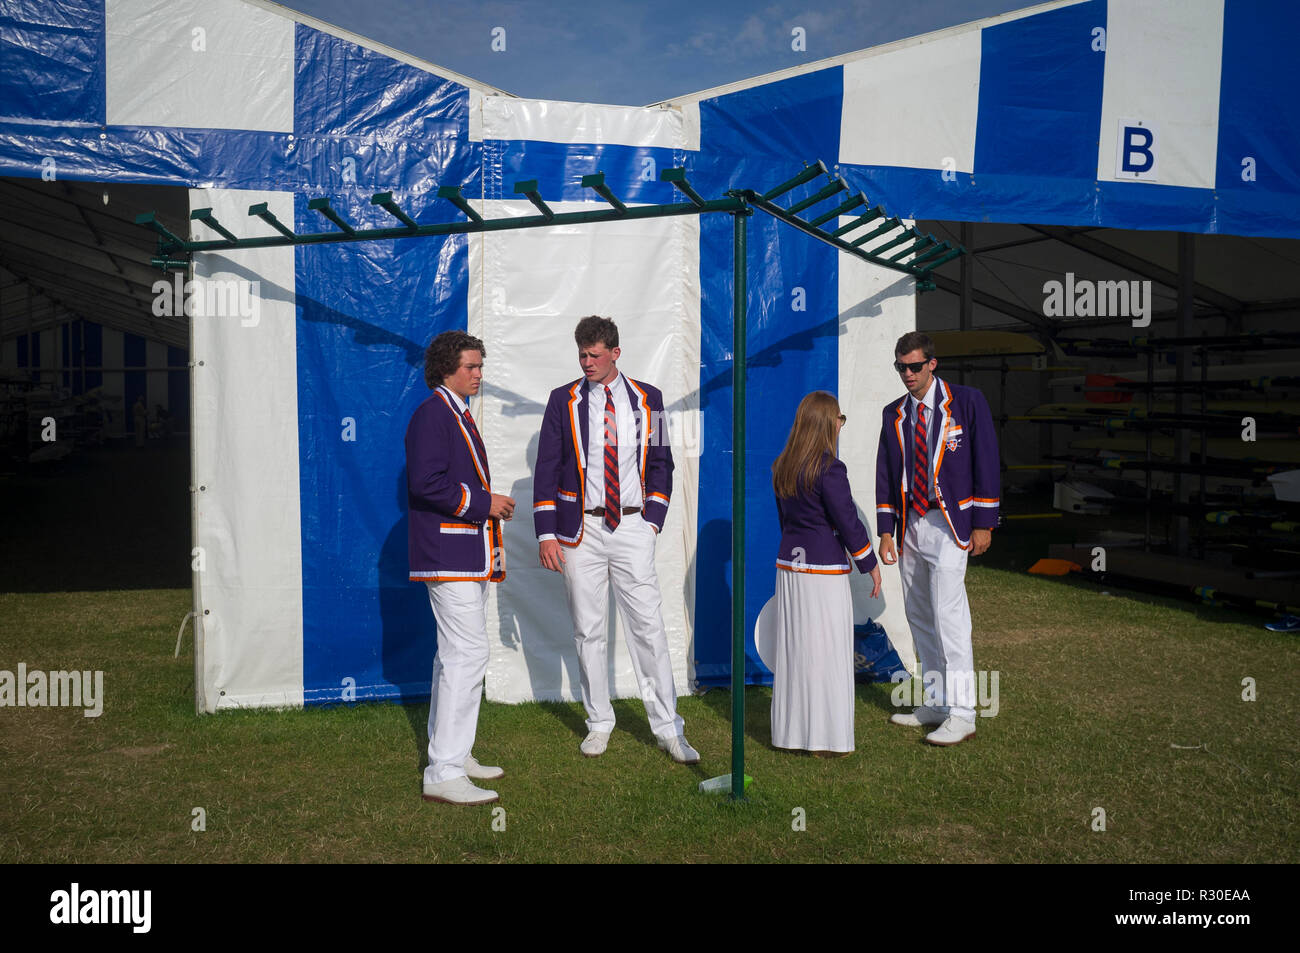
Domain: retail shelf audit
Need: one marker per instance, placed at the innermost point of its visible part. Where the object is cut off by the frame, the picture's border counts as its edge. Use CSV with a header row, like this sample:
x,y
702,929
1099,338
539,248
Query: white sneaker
x,y
482,772
594,745
923,717
679,750
458,791
952,732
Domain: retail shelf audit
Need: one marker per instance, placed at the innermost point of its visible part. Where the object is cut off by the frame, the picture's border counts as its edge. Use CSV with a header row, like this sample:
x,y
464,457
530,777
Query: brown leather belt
x,y
600,511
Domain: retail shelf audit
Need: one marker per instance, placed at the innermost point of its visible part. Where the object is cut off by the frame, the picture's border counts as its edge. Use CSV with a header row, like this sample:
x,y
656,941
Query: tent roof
x,y
843,58
391,52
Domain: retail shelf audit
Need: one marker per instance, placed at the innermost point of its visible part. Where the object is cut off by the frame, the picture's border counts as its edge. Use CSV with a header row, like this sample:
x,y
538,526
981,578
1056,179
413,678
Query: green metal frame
x,y
924,254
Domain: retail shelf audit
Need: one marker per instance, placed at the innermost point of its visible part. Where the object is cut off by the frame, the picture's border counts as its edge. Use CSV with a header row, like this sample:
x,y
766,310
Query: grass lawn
x,y
1106,701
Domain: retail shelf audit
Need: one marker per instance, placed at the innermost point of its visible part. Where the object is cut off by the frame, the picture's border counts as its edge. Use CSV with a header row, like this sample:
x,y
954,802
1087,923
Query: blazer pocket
x,y
460,529
567,513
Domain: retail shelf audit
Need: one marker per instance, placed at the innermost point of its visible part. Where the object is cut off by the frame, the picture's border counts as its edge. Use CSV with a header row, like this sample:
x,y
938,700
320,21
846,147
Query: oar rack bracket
x,y
872,235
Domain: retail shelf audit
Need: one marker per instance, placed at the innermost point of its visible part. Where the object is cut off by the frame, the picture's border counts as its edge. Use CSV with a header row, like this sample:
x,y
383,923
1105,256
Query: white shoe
x,y
482,772
952,732
923,717
679,750
458,791
594,745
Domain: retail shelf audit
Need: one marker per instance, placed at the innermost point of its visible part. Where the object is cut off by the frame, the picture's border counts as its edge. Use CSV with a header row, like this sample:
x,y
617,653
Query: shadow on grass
x,y
629,714
758,712
569,714
629,717
877,695
758,709
417,715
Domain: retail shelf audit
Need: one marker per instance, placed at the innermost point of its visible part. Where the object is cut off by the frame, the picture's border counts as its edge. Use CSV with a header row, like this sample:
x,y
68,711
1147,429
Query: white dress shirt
x,y
929,403
458,401
629,480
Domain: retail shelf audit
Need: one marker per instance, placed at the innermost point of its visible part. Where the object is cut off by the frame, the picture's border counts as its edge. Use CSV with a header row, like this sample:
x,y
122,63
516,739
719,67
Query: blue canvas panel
x,y
749,139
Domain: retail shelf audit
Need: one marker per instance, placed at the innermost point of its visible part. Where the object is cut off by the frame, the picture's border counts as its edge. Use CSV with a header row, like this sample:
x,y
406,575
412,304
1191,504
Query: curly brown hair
x,y
442,357
595,329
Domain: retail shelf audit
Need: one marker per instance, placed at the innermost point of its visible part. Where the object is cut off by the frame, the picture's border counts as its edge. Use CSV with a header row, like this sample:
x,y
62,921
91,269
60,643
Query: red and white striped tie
x,y
613,499
921,472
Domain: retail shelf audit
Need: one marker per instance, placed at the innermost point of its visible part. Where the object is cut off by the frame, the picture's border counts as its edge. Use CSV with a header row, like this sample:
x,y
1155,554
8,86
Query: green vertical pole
x,y
738,325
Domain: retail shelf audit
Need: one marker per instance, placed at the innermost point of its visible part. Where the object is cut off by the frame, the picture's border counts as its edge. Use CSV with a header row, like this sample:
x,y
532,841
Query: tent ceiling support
x,y
1135,263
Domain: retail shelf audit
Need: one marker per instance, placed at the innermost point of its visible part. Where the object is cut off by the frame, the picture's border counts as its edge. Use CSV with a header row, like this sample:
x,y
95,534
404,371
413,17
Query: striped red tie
x,y
613,499
921,471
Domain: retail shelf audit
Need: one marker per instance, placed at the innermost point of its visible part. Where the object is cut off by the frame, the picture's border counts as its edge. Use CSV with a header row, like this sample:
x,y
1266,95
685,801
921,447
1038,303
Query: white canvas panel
x,y
877,306
475,115
247,516
528,291
690,125
915,106
1163,62
548,121
206,64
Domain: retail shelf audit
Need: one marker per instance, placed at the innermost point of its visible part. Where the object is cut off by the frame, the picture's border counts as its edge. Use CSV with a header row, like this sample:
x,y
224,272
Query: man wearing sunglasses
x,y
937,485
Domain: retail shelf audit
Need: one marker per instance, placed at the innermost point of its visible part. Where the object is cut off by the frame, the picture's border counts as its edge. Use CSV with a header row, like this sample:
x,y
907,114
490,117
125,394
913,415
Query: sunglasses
x,y
843,418
914,368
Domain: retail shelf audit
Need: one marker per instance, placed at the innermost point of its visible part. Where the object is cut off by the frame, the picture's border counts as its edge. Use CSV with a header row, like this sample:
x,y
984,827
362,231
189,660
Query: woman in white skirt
x,y
821,539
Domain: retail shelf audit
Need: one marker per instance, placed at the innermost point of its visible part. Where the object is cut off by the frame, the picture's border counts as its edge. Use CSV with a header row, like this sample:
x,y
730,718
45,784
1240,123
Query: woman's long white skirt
x,y
812,686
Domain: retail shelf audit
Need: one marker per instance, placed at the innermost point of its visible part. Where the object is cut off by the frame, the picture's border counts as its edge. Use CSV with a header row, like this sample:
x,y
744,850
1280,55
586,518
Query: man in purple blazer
x,y
600,493
455,548
937,484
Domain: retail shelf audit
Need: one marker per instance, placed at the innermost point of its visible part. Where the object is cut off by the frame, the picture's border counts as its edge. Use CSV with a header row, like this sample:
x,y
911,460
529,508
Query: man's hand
x,y
875,578
551,554
979,541
502,508
886,549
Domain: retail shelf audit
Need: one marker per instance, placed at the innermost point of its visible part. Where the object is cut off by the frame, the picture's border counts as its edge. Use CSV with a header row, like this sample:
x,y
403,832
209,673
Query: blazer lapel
x,y
634,398
901,421
942,398
584,424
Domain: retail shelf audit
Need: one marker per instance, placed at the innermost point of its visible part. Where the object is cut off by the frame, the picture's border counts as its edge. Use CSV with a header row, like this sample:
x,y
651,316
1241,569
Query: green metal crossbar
x,y
918,259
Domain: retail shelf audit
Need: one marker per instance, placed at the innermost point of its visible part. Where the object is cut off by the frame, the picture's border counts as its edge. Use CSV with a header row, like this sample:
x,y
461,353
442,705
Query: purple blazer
x,y
449,536
967,468
560,480
820,529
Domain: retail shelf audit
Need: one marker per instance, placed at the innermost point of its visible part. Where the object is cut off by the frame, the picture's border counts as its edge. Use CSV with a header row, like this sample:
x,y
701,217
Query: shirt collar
x,y
456,402
929,400
612,385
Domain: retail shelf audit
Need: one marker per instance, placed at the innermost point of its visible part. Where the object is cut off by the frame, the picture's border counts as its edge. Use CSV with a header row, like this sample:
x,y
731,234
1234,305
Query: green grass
x,y
1095,692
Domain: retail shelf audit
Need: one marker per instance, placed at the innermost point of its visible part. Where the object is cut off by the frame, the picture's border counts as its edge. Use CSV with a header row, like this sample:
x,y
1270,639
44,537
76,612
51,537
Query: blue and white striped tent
x,y
1115,113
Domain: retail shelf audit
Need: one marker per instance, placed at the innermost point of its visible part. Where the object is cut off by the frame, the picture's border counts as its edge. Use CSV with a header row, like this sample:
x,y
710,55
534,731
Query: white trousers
x,y
625,558
458,670
933,571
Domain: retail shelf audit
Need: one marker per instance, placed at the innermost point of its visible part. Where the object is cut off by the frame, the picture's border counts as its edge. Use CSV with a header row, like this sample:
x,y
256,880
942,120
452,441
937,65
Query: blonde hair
x,y
812,435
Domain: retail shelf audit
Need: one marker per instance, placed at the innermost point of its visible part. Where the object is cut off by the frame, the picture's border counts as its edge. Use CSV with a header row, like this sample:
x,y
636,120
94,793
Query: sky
x,y
636,53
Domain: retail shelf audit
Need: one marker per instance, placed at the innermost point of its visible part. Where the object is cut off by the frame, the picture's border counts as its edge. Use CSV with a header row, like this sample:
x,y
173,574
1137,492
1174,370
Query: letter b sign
x,y
1136,158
